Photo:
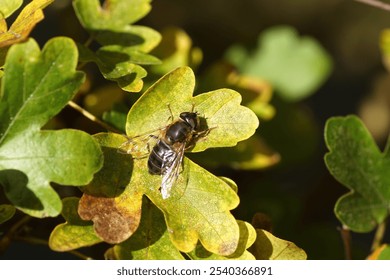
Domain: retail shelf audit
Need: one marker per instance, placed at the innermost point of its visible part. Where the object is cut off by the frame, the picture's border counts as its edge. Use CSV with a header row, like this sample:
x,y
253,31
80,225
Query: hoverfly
x,y
166,155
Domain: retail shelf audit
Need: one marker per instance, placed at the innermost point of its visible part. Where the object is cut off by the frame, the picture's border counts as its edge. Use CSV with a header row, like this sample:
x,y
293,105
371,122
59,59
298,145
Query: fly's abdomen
x,y
161,156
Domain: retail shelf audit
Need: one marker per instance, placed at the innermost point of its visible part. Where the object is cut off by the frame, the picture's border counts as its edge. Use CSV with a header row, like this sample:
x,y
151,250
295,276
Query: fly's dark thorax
x,y
178,132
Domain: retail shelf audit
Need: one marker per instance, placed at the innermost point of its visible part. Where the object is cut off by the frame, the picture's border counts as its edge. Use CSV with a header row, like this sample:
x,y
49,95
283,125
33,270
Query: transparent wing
x,y
140,146
171,172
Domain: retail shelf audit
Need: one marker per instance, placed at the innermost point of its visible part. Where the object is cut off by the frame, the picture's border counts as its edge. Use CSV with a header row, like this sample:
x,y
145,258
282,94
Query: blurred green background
x,y
298,193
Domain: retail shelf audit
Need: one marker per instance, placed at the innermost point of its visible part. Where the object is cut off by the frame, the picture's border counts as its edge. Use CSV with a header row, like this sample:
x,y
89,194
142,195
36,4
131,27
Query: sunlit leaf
x,y
6,212
385,253
24,23
123,66
75,232
269,247
124,46
35,87
256,94
114,209
247,238
355,160
151,240
8,7
381,253
195,209
116,66
229,121
295,66
113,14
199,204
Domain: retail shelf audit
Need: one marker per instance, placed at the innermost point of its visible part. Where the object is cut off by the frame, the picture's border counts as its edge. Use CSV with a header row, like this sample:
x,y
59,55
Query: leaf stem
x,y
376,3
346,237
380,232
89,41
90,116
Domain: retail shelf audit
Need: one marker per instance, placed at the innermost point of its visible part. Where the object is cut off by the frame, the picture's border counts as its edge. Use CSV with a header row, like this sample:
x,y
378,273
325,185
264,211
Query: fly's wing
x,y
171,169
140,146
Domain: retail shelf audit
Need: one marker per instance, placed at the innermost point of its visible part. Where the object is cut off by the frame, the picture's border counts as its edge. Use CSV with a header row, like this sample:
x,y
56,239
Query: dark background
x,y
298,194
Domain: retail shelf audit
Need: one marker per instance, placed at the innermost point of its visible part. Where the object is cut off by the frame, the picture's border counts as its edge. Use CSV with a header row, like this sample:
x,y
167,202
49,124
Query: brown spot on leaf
x,y
227,249
112,223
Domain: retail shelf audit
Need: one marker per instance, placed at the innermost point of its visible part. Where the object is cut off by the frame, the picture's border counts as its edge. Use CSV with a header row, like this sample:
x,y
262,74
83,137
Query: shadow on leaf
x,y
125,39
101,202
15,187
150,241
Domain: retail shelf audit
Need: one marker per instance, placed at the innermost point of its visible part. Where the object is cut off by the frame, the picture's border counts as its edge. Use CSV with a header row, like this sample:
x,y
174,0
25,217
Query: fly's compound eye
x,y
191,119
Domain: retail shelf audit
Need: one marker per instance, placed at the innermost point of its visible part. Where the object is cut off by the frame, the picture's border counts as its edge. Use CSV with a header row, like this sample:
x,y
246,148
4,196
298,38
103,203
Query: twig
x,y
376,3
6,239
90,116
346,237
380,232
38,241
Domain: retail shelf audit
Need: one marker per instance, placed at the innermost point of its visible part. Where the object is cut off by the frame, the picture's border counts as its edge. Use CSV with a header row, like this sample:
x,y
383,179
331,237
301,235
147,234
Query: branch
x,y
90,116
378,238
6,239
376,3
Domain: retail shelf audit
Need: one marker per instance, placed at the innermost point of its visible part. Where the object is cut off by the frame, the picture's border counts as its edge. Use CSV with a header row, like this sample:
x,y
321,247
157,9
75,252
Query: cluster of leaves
x,y
121,203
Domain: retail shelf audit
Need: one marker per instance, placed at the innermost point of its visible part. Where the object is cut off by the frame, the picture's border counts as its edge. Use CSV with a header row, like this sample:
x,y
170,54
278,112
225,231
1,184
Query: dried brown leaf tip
x,y
112,223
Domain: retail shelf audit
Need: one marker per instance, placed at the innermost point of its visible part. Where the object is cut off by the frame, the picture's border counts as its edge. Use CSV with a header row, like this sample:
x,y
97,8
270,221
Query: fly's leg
x,y
170,111
199,137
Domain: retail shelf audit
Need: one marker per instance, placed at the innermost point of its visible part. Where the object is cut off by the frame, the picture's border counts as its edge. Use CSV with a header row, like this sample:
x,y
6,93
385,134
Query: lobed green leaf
x,y
247,238
6,212
22,26
198,207
151,240
221,111
355,161
75,232
113,14
124,46
199,204
269,247
35,87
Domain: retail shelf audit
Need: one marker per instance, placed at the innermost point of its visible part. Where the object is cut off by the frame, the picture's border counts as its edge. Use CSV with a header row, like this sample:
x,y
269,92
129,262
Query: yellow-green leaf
x,y
198,208
24,23
75,232
151,240
269,247
247,238
6,212
35,87
8,7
